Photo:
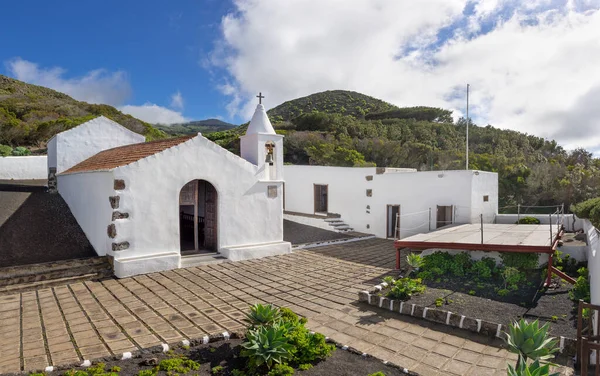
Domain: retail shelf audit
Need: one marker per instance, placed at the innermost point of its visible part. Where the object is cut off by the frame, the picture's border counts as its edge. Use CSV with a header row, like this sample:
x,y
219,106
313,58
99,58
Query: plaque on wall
x,y
272,191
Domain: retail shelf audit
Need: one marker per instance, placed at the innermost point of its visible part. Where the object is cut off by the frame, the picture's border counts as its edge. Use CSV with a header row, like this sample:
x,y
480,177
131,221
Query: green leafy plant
x,y
534,369
528,221
389,280
404,288
147,372
307,347
305,367
377,374
530,341
281,370
554,318
512,276
262,315
439,302
481,269
521,261
503,292
178,364
266,345
20,151
216,369
471,292
581,288
5,150
414,260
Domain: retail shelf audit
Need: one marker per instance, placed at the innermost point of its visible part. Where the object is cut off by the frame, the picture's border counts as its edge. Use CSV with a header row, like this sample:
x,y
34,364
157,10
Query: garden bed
x,y
484,303
222,357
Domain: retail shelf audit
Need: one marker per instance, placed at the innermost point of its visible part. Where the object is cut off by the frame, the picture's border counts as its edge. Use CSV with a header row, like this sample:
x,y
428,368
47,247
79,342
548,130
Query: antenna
x,y
467,143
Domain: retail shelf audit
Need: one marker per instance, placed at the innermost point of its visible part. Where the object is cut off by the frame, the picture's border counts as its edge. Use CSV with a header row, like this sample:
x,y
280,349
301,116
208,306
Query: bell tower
x,y
262,146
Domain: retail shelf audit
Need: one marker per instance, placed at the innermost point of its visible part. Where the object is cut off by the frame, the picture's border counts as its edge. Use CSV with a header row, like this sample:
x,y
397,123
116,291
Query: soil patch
x,y
225,354
480,300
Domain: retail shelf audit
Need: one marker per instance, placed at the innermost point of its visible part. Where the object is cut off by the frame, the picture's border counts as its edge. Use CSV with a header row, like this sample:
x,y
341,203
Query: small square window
x,y
369,193
486,198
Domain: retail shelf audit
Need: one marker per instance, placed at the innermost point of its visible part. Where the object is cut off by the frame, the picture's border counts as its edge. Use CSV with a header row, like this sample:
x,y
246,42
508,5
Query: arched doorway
x,y
198,217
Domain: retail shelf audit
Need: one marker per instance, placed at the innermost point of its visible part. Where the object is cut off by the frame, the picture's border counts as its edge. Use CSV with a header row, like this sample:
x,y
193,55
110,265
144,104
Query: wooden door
x,y
444,216
210,217
321,198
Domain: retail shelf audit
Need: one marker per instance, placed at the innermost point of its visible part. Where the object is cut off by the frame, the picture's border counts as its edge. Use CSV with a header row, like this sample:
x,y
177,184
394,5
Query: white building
x,y
145,204
70,147
370,199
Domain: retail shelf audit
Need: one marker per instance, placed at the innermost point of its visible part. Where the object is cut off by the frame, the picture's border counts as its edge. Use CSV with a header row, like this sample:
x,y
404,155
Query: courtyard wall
x,y
23,168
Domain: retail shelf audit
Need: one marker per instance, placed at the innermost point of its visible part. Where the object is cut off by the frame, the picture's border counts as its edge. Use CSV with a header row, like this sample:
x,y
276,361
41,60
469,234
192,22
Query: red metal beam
x,y
562,275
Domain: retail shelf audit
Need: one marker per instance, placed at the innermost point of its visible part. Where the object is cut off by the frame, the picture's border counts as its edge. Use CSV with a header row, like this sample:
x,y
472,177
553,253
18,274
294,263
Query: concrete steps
x,y
338,224
16,279
189,261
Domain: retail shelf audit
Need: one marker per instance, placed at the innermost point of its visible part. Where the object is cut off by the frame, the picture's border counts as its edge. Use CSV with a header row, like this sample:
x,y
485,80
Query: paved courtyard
x,y
88,320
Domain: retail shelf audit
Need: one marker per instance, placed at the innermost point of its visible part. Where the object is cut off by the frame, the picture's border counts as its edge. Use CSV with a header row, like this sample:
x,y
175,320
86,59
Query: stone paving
x,y
88,320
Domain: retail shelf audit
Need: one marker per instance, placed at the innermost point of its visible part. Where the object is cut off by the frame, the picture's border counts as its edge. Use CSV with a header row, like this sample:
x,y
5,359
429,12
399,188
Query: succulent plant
x,y
534,369
414,260
266,345
261,314
530,341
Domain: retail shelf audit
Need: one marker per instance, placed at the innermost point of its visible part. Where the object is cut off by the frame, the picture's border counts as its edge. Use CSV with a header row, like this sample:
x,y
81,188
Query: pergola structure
x,y
519,238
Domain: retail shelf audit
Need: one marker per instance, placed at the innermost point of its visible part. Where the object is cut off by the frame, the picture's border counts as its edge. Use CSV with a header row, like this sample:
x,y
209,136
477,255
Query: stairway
x,y
338,224
188,261
16,279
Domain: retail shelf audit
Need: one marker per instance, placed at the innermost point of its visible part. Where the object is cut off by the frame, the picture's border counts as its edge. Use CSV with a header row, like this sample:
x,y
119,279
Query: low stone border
x,y
164,347
568,346
331,242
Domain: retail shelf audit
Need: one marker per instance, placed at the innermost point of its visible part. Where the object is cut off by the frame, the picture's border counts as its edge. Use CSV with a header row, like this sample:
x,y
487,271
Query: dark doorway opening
x,y
321,199
198,218
393,221
444,216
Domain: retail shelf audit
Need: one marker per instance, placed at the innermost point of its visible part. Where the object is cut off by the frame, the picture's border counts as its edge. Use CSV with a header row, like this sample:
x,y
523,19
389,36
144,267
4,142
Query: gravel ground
x,y
297,233
37,227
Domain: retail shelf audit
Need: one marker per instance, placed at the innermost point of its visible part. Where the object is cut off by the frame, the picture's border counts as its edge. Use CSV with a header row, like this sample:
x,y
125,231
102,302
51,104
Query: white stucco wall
x,y
23,168
87,196
68,148
246,216
570,222
415,192
593,257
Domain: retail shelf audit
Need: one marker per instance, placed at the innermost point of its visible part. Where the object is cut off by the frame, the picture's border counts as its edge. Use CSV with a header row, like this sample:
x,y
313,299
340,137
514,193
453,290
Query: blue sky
x,y
159,45
532,65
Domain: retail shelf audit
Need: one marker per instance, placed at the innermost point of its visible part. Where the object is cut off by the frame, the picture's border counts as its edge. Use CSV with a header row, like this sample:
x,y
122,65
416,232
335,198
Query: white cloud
x,y
531,65
177,100
154,114
97,86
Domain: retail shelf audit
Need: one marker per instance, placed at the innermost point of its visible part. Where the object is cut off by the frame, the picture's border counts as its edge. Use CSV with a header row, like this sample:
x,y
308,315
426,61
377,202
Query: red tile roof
x,y
124,155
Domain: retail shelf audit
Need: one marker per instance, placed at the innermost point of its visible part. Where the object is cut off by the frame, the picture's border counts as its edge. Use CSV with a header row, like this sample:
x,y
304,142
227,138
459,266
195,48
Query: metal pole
x,y
550,218
397,226
518,213
429,219
467,143
481,219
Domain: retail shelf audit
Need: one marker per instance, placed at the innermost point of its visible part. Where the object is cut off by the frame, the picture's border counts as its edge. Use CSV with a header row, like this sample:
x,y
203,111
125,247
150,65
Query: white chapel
x,y
150,205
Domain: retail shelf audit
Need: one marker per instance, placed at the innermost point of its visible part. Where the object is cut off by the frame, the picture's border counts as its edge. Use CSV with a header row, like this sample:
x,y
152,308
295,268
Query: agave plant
x,y
534,369
389,280
262,315
530,341
414,260
266,345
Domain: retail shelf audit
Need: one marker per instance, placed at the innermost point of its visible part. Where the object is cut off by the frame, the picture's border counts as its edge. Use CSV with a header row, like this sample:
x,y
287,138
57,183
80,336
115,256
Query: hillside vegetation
x,y
193,127
531,170
30,114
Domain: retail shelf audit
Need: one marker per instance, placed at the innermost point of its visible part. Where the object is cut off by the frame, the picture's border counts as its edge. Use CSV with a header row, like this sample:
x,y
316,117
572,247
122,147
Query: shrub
x,y
512,276
307,347
5,150
581,288
589,209
439,302
20,151
377,374
528,221
178,365
305,367
520,260
281,370
481,269
404,288
216,369
503,292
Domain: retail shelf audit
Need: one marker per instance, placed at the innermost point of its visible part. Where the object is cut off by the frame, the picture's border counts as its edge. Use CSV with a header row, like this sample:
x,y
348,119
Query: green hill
x,y
30,114
332,101
193,127
531,170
